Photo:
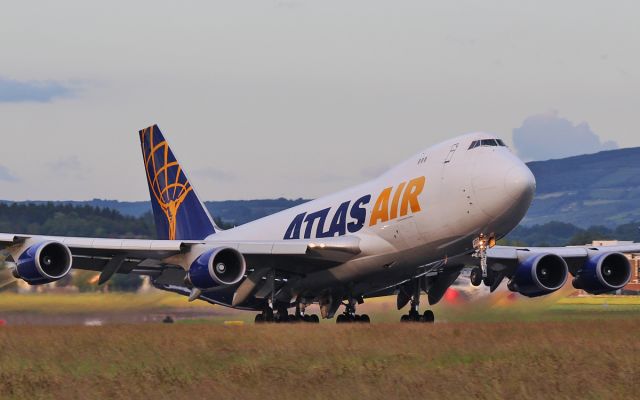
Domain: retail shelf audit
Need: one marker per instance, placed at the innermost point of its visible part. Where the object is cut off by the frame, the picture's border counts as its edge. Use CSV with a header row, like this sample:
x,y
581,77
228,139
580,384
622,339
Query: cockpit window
x,y
487,142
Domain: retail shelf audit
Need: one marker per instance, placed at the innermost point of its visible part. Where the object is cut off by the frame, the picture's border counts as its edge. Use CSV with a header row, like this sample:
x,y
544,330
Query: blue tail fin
x,y
178,213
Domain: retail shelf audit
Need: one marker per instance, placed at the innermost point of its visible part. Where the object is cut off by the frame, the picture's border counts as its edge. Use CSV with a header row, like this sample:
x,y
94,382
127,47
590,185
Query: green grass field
x,y
561,348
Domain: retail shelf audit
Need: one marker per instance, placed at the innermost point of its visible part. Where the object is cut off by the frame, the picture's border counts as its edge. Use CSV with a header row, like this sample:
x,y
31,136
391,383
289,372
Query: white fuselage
x,y
428,208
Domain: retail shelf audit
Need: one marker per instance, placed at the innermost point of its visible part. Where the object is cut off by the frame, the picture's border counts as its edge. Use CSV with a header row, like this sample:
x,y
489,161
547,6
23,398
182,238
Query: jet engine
x,y
538,275
44,263
603,272
217,267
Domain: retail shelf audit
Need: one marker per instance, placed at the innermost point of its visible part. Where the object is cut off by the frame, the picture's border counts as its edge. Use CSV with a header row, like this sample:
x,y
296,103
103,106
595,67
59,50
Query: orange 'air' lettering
x,y
393,214
414,189
381,209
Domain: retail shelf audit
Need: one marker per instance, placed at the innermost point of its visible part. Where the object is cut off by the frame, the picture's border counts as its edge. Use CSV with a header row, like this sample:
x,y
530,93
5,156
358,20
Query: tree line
x,y
564,234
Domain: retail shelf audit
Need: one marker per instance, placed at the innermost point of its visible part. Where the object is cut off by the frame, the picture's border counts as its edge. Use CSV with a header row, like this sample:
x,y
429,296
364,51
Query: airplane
x,y
411,230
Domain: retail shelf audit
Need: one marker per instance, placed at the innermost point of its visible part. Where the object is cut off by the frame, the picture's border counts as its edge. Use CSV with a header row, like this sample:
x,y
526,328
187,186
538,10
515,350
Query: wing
x,y
536,271
168,260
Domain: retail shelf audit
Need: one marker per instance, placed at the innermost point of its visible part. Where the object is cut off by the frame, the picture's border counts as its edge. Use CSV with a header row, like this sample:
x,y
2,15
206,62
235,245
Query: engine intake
x,y
603,272
539,275
44,263
217,267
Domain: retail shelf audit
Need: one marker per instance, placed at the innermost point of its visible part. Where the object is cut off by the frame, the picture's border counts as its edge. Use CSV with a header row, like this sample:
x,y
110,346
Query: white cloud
x,y
547,136
6,175
14,91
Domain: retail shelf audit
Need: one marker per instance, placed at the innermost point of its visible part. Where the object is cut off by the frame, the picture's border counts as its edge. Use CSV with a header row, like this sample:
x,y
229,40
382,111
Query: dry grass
x,y
83,303
588,359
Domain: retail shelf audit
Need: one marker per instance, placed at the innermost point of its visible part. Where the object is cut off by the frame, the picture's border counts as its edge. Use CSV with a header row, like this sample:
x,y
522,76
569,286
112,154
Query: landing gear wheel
x,y
414,316
488,281
364,318
476,276
314,319
404,318
428,317
259,319
342,319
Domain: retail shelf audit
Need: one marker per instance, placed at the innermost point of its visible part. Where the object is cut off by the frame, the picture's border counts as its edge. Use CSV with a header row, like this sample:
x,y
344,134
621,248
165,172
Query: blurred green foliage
x,y
67,220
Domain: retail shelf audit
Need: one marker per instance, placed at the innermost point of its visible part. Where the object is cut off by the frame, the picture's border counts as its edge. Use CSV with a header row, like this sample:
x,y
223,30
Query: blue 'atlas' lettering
x,y
338,226
339,222
310,220
359,213
293,231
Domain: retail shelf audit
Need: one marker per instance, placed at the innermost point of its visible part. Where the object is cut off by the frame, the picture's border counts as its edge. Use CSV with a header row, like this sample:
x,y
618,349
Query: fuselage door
x,y
451,153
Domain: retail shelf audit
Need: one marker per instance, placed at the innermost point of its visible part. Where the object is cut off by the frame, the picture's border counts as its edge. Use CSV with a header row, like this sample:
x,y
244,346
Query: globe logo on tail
x,y
167,182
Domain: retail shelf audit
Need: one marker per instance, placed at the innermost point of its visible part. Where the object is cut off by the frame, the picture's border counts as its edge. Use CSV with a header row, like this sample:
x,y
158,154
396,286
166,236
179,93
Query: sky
x,y
299,98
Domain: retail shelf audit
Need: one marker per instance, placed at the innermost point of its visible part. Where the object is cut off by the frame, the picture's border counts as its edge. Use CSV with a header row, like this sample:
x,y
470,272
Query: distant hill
x,y
233,212
597,189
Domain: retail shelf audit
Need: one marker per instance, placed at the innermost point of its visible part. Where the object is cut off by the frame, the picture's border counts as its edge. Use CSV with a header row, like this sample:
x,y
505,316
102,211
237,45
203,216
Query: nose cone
x,y
520,183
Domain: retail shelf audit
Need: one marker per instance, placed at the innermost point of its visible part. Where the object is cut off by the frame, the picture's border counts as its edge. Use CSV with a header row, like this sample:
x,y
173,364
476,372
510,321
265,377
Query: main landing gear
x,y
282,316
414,315
350,315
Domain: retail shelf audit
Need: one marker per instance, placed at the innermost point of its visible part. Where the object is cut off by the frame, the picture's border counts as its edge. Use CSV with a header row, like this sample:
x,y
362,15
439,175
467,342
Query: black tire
x,y
414,316
259,319
404,318
315,319
428,317
364,318
342,319
476,276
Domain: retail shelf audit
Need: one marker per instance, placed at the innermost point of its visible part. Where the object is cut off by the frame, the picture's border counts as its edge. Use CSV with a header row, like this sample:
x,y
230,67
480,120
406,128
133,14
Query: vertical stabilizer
x,y
178,212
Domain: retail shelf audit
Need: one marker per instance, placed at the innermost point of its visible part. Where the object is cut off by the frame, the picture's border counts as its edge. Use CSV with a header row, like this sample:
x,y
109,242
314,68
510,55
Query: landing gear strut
x,y
480,245
350,315
482,274
414,313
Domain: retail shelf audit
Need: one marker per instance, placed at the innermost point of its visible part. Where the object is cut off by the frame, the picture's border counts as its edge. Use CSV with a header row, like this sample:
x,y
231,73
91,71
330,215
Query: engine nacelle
x,y
217,267
603,272
539,275
44,263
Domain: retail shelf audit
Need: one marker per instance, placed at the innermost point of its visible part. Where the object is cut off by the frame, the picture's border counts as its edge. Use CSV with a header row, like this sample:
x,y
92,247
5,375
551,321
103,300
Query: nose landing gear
x,y
480,245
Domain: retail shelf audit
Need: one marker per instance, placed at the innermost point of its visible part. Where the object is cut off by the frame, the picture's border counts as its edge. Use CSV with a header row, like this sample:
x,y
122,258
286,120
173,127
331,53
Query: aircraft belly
x,y
373,272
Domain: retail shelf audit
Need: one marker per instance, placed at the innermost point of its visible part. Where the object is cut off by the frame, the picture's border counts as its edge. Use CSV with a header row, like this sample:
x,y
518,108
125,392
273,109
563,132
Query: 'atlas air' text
x,y
392,203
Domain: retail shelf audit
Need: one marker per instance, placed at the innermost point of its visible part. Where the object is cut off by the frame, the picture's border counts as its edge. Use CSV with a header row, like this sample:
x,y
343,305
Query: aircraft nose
x,y
520,183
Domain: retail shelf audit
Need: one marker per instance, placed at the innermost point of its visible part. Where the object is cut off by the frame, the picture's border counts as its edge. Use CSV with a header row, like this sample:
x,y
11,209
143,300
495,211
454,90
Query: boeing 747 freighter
x,y
411,230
